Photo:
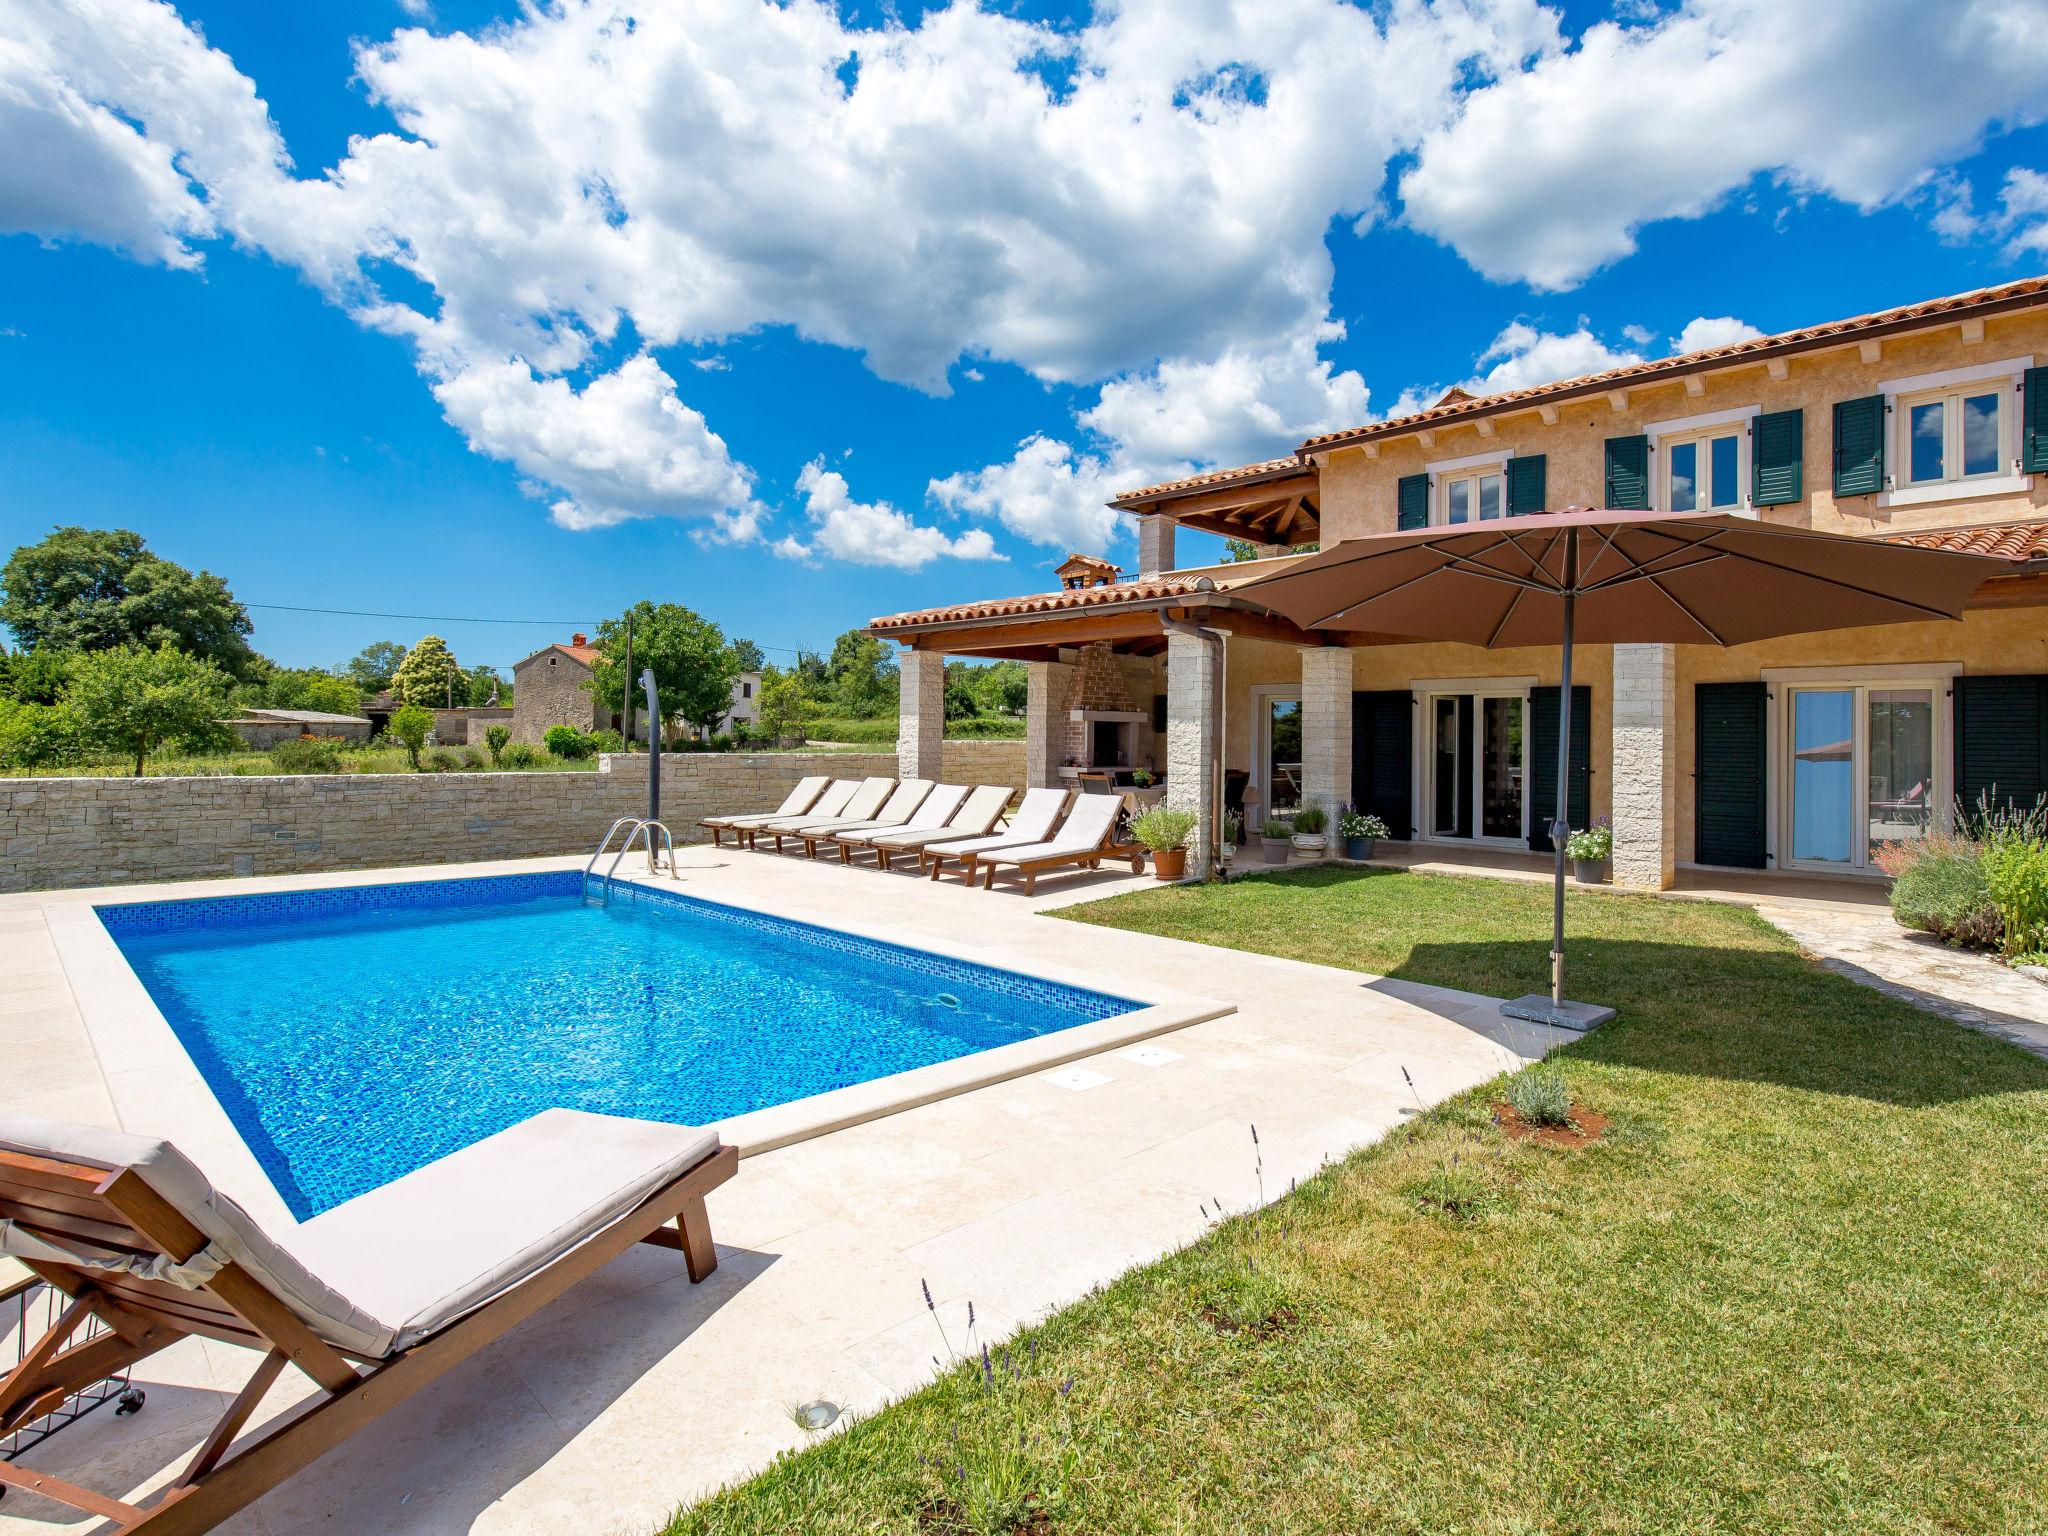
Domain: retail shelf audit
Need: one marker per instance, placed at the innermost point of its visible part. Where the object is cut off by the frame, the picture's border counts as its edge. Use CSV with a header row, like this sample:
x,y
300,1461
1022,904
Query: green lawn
x,y
1800,1287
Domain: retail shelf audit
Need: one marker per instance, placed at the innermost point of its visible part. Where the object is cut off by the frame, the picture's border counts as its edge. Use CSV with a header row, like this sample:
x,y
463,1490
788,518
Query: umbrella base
x,y
1537,1008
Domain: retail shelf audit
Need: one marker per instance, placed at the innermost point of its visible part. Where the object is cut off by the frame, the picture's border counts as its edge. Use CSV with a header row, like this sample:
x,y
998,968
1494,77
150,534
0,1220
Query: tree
x,y
1237,551
132,700
302,688
785,705
430,676
961,704
370,668
94,589
748,656
693,666
999,687
496,738
411,725
487,687
34,677
862,673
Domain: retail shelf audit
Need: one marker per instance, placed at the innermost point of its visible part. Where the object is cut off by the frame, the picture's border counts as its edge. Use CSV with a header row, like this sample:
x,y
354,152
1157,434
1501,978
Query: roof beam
x,y
1036,629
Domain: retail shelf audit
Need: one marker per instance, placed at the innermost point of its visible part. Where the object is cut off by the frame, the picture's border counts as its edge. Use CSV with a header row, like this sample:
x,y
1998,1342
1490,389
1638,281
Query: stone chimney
x,y
579,639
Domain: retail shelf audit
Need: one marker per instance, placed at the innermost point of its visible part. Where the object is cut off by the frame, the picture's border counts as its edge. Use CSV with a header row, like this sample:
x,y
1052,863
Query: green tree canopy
x,y
431,677
693,666
34,677
486,681
863,674
91,589
786,707
301,688
133,701
748,657
371,668
412,725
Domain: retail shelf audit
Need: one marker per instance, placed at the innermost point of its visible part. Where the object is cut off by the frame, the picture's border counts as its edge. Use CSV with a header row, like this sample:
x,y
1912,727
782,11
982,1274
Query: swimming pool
x,y
354,1034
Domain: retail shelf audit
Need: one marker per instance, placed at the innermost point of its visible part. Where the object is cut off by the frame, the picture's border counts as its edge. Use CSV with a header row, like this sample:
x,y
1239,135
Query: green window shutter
x,y
1542,761
1728,774
1412,502
1777,454
2001,756
1859,446
1526,484
2034,422
1628,473
1382,767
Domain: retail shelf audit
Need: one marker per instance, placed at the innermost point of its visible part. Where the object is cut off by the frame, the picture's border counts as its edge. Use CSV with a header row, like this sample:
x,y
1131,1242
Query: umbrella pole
x,y
1559,827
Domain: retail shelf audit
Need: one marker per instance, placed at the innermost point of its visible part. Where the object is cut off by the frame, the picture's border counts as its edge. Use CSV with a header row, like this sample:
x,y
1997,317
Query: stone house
x,y
265,728
552,687
1925,424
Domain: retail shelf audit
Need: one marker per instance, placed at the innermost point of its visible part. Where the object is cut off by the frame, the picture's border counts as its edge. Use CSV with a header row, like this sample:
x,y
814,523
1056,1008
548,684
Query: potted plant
x,y
1360,831
1165,832
1309,842
1589,849
1231,824
1141,778
1273,839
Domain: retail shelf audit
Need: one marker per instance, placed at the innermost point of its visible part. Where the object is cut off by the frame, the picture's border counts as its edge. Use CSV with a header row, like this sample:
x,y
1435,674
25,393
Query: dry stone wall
x,y
71,832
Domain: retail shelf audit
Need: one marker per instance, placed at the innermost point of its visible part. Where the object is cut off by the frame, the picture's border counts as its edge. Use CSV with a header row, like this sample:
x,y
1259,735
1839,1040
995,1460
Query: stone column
x,y
921,725
1049,686
1192,722
1155,545
1326,730
1645,767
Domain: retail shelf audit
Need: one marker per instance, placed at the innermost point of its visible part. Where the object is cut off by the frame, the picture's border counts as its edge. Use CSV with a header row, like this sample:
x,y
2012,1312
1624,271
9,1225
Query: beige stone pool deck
x,y
641,1391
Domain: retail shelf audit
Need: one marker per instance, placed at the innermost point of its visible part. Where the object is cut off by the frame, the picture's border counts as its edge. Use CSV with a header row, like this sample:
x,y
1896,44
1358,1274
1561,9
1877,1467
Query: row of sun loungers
x,y
947,826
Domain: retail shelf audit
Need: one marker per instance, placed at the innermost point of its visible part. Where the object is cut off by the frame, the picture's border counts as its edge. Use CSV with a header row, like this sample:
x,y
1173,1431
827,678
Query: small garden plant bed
x,y
1583,1127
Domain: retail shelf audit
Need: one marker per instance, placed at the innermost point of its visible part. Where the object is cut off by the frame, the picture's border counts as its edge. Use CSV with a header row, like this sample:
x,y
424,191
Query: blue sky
x,y
789,342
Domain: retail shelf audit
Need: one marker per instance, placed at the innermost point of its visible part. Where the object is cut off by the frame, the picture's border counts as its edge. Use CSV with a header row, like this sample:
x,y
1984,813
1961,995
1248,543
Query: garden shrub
x,y
441,760
39,735
518,754
496,738
2017,873
411,726
566,741
307,754
1939,885
606,741
1539,1095
473,760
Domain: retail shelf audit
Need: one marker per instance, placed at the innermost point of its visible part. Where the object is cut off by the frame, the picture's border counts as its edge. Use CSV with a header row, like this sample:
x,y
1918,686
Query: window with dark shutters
x,y
1729,774
2001,757
2034,422
1382,762
1777,455
1628,473
1859,446
1526,484
1411,501
1542,760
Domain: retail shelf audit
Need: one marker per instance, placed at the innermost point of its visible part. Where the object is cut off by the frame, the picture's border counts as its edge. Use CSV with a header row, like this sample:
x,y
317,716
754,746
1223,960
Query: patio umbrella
x,y
1613,578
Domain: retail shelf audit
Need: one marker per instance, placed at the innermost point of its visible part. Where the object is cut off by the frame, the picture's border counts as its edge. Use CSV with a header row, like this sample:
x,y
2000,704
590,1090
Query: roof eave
x,y
1142,501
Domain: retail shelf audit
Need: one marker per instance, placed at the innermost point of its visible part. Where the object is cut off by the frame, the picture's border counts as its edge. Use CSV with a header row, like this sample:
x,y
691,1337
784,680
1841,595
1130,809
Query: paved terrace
x,y
641,1390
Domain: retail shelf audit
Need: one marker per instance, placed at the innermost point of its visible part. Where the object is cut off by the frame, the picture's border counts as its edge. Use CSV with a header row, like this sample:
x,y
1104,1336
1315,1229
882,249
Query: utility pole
x,y
628,689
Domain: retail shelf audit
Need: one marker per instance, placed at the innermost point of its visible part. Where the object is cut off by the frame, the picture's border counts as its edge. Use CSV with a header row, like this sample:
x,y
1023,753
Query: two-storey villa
x,y
1926,424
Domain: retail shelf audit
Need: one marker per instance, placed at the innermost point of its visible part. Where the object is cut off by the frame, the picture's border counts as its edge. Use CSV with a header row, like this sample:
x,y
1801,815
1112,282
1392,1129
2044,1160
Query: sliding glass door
x,y
1862,771
1473,766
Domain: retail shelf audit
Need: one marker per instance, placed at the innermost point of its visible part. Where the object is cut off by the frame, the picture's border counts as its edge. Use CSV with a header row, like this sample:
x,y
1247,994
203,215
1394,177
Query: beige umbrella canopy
x,y
1614,578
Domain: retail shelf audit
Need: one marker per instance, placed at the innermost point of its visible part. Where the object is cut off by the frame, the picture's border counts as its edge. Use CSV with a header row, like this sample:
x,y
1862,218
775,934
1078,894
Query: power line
x,y
447,618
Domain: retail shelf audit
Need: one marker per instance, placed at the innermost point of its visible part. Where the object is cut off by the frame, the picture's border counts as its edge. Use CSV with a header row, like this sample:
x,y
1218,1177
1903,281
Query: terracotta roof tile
x,y
1213,477
2008,541
1785,341
1044,602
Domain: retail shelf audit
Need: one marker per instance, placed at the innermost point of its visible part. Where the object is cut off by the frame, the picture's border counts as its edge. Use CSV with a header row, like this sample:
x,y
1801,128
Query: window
x,y
1953,435
1704,472
1471,498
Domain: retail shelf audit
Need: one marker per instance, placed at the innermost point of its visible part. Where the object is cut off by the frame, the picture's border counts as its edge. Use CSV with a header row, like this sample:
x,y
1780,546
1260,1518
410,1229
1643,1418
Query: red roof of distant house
x,y
2009,541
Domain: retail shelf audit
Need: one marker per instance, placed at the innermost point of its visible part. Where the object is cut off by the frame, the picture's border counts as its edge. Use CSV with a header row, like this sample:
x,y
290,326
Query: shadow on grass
x,y
1702,988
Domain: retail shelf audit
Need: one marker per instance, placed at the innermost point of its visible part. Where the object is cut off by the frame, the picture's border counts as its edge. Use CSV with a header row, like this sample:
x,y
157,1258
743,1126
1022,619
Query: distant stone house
x,y
552,687
265,728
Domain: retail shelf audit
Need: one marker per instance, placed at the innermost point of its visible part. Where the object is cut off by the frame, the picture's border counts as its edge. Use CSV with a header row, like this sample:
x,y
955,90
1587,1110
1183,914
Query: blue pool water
x,y
353,1035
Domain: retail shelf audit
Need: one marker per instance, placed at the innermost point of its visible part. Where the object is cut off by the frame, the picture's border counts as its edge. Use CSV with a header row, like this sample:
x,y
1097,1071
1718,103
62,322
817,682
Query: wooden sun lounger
x,y
971,818
896,811
862,803
1033,823
933,812
831,801
798,802
139,1240
1083,839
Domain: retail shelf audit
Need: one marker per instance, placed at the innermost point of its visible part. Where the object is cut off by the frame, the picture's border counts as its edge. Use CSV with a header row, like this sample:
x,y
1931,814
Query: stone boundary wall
x,y
58,833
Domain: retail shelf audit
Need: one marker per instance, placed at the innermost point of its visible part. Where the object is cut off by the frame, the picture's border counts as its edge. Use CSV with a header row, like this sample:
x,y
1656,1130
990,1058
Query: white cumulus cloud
x,y
873,532
1703,331
1522,357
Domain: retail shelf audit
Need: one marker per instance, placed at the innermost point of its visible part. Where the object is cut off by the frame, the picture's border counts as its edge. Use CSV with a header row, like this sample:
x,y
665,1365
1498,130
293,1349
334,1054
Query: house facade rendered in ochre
x,y
1925,424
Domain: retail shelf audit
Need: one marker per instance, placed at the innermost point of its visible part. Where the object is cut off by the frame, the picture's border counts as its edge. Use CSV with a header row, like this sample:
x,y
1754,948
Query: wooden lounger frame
x,y
69,1202
1030,869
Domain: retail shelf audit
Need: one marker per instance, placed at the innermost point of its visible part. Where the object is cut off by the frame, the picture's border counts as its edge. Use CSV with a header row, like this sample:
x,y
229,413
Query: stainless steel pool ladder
x,y
636,827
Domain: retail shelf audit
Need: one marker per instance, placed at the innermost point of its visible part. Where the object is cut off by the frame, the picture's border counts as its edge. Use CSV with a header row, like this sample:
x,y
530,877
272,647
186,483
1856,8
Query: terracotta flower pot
x,y
1169,863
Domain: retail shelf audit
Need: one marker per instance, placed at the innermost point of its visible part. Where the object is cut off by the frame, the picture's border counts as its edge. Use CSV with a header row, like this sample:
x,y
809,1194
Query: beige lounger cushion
x,y
800,799
975,815
1032,823
230,1229
382,1271
1086,828
861,805
441,1241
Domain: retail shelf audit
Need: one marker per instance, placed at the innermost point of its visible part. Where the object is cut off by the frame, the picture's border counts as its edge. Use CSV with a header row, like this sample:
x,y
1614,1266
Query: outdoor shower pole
x,y
1559,829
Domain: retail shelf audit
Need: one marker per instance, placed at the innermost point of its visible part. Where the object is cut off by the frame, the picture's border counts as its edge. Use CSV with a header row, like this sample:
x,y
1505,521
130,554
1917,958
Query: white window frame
x,y
1950,384
1264,697
1422,755
1665,435
1470,467
1781,682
